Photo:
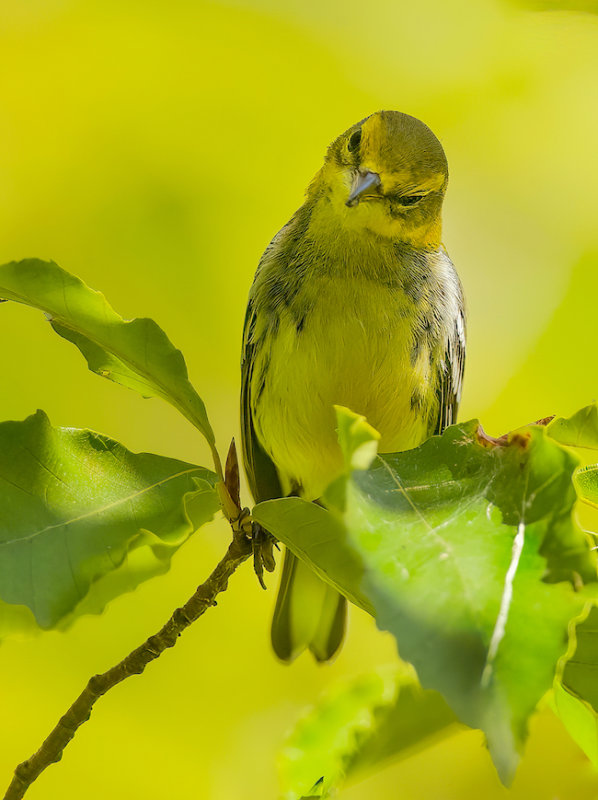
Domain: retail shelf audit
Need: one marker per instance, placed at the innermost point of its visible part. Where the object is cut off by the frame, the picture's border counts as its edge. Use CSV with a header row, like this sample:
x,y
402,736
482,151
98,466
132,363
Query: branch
x,y
134,664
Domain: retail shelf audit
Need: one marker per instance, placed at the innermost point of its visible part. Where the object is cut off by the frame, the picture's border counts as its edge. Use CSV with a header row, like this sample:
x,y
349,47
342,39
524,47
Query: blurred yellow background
x,y
153,149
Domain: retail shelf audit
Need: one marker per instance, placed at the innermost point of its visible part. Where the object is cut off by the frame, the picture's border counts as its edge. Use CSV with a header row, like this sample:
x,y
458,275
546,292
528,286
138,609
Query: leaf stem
x,y
134,664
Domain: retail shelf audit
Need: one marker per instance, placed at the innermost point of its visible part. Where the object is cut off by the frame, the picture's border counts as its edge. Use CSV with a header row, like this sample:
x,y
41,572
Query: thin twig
x,y
134,664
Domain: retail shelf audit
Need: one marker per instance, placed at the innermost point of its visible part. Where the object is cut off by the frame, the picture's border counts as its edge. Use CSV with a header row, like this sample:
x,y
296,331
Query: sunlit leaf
x,y
586,483
357,439
135,353
74,504
457,548
358,726
578,430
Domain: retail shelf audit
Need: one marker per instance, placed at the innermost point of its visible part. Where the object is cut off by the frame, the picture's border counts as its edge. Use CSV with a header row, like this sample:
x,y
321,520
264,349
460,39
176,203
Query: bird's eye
x,y
354,141
410,199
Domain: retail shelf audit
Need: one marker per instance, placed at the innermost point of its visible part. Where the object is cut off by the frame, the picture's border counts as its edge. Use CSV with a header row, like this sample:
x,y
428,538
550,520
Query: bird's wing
x,y
259,467
451,375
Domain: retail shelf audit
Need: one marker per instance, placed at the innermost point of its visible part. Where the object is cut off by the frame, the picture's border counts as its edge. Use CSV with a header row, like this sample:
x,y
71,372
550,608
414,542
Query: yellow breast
x,y
354,347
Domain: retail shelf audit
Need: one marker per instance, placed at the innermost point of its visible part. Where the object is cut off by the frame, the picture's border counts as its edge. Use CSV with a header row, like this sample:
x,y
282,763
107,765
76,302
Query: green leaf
x,y
357,726
456,548
579,430
357,438
576,689
135,353
586,483
74,503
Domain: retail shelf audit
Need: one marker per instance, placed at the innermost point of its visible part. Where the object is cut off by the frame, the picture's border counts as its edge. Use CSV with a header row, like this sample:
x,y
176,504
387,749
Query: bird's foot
x,y
263,544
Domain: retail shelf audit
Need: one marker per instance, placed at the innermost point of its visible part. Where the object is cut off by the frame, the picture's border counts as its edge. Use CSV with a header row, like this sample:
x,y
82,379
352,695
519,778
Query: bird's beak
x,y
363,181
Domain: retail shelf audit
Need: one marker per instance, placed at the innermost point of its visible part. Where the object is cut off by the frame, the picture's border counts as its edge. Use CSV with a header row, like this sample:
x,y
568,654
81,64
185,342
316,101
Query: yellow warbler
x,y
356,303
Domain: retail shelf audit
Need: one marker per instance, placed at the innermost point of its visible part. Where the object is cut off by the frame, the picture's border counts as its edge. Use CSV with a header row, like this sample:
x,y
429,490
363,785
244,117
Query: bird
x,y
355,302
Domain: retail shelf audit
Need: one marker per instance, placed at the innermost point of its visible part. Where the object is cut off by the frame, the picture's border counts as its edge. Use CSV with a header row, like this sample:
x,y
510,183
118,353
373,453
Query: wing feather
x,y
451,369
259,467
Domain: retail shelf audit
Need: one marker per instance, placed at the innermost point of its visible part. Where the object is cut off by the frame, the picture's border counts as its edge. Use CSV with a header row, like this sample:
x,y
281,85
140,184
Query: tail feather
x,y
309,614
330,632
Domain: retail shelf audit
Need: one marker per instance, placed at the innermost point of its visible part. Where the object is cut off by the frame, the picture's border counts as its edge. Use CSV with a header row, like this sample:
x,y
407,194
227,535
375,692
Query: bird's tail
x,y
309,613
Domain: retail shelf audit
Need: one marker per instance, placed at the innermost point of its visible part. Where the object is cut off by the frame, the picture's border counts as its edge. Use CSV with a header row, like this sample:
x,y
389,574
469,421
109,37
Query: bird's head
x,y
387,174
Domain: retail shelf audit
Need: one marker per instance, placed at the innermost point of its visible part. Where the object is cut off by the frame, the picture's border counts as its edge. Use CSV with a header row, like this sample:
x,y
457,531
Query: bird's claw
x,y
263,544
